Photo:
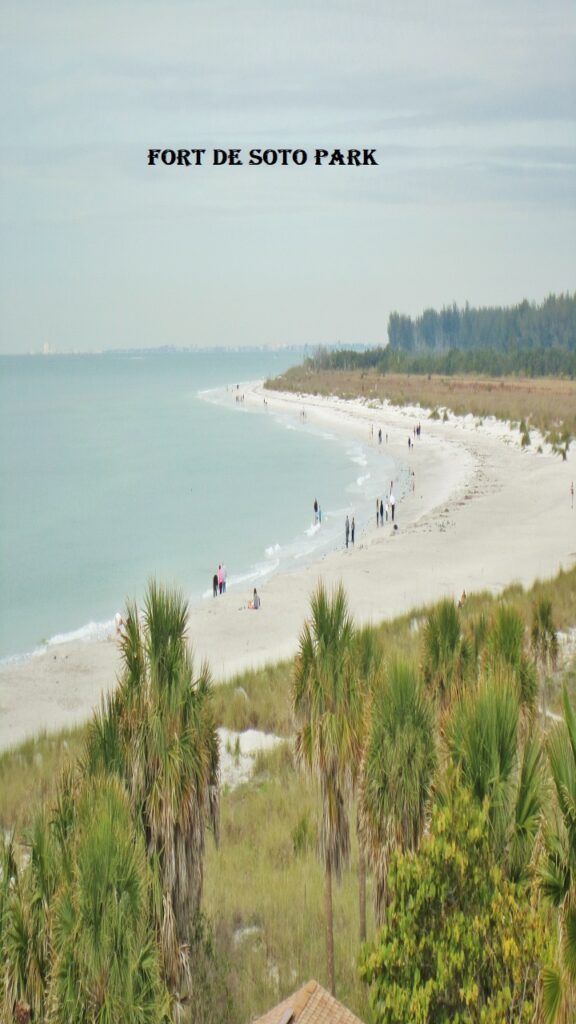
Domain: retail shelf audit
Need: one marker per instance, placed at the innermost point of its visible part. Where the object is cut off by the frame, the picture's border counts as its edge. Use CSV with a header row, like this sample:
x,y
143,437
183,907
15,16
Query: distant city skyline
x,y
469,107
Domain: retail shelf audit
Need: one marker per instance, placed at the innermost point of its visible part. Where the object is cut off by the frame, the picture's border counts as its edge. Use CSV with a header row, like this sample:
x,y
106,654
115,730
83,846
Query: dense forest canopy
x,y
532,340
550,325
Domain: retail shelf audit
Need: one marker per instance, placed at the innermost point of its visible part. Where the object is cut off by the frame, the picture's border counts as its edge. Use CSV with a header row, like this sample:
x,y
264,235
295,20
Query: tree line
x,y
525,326
527,339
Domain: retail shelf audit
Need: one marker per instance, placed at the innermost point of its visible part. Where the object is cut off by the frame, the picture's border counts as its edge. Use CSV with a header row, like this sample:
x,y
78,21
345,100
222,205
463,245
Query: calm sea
x,y
119,467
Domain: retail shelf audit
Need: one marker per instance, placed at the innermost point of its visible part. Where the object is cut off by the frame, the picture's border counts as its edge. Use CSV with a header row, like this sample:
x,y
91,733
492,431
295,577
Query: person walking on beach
x,y
377,510
387,509
215,585
392,505
380,436
315,511
224,577
381,512
352,531
255,602
220,580
319,515
347,530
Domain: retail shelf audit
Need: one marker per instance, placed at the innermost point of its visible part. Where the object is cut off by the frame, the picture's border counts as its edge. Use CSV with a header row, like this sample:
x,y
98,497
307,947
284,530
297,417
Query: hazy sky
x,y
469,103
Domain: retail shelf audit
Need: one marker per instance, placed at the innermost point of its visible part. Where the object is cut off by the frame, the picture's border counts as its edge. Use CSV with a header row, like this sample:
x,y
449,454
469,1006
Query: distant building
x,y
311,1004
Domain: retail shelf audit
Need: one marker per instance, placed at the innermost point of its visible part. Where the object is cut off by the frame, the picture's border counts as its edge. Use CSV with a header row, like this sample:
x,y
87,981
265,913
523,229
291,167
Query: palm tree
x,y
558,878
158,733
483,739
446,653
368,659
327,707
544,643
398,767
106,963
505,648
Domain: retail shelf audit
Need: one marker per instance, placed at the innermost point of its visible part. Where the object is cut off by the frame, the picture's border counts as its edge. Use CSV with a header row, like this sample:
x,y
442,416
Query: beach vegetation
x,y
157,733
548,404
369,657
501,765
398,766
256,699
446,653
328,712
505,650
262,929
558,874
544,645
460,941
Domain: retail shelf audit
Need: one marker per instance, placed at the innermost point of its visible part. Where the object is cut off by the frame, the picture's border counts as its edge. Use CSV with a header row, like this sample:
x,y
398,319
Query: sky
x,y
469,104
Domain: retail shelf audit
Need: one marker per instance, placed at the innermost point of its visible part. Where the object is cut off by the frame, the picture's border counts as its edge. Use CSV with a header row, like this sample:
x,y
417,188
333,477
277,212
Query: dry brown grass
x,y
547,403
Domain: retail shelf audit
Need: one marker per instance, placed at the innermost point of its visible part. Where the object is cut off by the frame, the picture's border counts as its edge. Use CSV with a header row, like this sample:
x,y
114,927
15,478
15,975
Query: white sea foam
x,y
272,550
91,631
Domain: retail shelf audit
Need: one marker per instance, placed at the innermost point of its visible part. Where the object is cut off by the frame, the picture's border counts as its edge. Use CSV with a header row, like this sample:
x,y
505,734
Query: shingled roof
x,y
311,1004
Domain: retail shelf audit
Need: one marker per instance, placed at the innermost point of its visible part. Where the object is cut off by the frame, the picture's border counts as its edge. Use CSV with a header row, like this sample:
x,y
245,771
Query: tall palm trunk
x,y
329,928
362,893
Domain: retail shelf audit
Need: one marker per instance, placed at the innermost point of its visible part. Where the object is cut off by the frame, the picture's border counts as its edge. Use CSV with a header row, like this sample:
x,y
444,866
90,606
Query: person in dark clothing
x,y
381,512
215,585
347,530
352,531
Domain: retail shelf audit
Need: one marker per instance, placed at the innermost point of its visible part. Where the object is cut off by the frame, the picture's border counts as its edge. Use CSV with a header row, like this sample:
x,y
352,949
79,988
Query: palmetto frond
x,y
105,963
558,875
446,654
483,739
528,808
158,733
505,650
327,704
327,699
397,770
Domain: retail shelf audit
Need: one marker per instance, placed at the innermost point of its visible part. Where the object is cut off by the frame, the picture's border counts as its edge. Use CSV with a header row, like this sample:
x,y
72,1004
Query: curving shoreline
x,y
484,513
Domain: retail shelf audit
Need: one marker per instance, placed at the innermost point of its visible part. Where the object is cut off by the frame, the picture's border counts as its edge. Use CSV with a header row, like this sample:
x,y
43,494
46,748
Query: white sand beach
x,y
484,513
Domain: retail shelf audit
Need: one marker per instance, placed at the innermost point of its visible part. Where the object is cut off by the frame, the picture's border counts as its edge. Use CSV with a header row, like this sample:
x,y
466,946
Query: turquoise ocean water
x,y
118,467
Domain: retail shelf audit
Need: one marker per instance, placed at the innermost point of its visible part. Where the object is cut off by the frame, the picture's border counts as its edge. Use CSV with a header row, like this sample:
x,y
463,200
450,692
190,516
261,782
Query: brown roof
x,y
311,1004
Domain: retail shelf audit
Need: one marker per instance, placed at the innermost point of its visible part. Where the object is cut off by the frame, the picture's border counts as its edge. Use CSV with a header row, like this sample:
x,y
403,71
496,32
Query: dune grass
x,y
257,699
264,893
548,404
29,772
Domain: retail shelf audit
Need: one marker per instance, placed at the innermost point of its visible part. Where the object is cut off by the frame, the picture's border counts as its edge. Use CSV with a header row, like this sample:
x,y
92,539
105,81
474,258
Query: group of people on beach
x,y
219,587
219,581
387,508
